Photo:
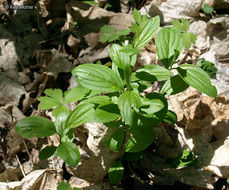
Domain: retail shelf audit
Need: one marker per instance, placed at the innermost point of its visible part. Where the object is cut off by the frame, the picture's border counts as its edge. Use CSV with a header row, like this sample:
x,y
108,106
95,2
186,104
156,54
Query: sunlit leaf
x,y
98,78
146,32
197,78
127,102
80,115
69,153
115,172
168,45
153,73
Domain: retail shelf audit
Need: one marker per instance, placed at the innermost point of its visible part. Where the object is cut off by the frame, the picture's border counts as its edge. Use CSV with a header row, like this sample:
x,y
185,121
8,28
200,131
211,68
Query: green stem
x,y
127,74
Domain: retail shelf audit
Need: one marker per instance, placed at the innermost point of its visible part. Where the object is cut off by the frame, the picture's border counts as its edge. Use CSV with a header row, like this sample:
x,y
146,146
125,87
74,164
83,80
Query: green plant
x,y
207,9
114,96
188,37
186,159
66,186
207,66
93,3
109,34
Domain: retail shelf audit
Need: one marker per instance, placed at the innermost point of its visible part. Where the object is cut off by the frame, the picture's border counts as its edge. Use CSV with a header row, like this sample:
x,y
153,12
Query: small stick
x,y
50,169
20,166
27,151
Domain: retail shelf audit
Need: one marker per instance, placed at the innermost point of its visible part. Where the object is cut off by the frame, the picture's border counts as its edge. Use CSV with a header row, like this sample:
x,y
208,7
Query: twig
x,y
22,171
27,151
50,169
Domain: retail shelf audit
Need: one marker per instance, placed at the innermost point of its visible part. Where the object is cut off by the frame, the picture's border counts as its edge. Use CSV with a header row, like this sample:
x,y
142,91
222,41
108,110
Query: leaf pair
x,y
68,151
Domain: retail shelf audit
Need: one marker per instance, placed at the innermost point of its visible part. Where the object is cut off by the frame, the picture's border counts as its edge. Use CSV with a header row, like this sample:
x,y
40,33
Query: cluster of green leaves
x,y
207,66
207,9
188,38
36,126
186,159
113,96
109,34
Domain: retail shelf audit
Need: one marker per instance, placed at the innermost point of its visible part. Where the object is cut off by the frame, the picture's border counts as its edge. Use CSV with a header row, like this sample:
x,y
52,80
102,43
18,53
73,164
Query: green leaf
x,y
115,172
100,100
107,5
153,73
134,27
47,102
54,100
144,19
157,117
69,153
133,60
107,33
174,85
188,39
208,9
146,32
129,50
184,160
56,94
197,78
181,26
64,186
127,102
60,122
151,106
98,78
75,188
35,126
119,59
170,117
137,16
75,94
80,115
168,45
123,32
106,113
47,152
116,141
139,86
59,109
